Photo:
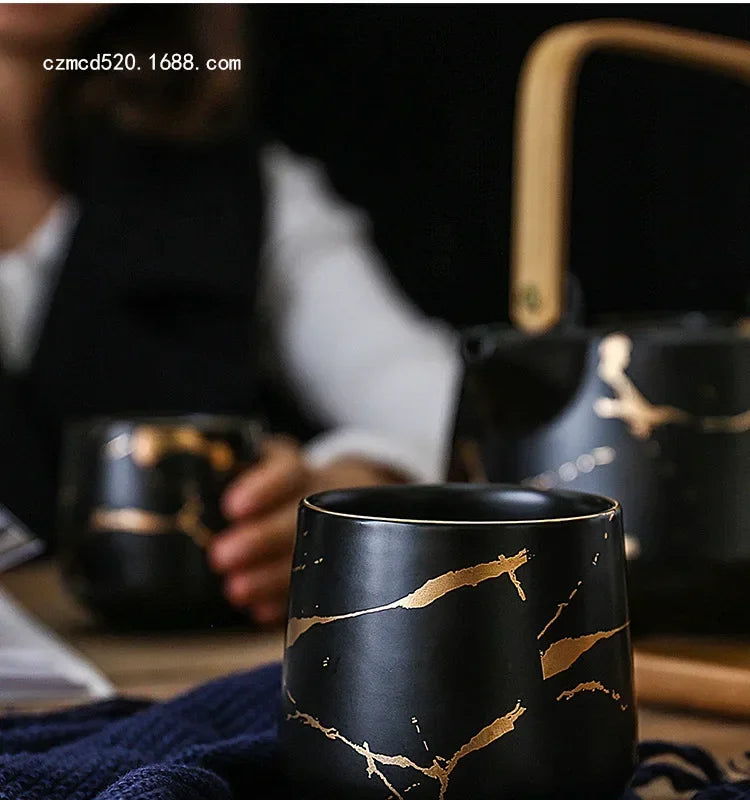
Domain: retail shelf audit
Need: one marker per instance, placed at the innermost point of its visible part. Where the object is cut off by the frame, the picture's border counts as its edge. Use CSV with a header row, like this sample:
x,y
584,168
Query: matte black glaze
x,y
528,414
127,553
419,679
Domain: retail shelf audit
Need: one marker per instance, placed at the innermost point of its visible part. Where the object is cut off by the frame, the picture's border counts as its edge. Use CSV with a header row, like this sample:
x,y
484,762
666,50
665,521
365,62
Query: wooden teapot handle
x,y
544,112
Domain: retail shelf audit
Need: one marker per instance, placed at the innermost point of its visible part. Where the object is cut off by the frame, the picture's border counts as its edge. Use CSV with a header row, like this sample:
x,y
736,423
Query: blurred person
x,y
154,249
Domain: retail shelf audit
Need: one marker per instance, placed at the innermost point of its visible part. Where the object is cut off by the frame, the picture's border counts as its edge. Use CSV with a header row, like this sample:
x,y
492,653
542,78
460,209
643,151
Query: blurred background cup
x,y
458,641
139,502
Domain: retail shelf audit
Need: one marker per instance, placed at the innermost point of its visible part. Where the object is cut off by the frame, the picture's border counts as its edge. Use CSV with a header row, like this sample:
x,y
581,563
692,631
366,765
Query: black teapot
x,y
655,413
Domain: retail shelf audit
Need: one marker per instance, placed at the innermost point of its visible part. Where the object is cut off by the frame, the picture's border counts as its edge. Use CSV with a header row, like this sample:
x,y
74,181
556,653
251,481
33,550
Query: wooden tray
x,y
709,675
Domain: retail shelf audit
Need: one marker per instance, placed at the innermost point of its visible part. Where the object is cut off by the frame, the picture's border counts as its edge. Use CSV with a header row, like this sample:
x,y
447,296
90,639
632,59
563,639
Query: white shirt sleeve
x,y
360,357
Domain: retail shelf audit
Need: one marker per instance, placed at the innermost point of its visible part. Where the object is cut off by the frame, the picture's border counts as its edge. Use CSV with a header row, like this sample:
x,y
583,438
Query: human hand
x,y
254,554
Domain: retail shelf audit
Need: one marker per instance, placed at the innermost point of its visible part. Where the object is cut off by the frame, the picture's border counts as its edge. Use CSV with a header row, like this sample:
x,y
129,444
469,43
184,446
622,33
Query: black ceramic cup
x,y
458,642
139,502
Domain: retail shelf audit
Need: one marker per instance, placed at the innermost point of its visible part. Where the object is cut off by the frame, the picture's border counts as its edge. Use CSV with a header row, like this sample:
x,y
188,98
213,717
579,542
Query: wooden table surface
x,y
147,665
161,665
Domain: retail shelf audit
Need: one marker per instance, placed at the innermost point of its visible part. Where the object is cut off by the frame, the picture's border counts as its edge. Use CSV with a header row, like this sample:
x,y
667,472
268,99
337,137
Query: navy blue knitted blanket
x,y
217,742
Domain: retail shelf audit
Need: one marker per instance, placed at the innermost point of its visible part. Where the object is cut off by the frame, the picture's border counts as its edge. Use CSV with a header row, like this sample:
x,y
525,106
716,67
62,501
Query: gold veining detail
x,y
739,423
629,404
440,769
569,471
561,655
428,593
639,414
303,566
139,521
373,770
149,444
415,723
592,686
560,608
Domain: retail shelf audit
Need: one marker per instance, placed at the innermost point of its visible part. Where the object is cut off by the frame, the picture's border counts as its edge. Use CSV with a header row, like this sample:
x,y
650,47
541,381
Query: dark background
x,y
411,109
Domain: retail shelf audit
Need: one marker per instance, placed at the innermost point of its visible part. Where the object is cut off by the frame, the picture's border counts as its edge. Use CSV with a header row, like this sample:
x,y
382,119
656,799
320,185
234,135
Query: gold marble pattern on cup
x,y
426,594
559,657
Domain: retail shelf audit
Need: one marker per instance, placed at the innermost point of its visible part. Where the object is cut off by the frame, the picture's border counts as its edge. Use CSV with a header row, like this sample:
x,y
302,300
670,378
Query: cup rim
x,y
311,502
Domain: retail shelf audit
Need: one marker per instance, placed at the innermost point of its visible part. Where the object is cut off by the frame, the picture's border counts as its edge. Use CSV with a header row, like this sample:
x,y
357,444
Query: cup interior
x,y
498,504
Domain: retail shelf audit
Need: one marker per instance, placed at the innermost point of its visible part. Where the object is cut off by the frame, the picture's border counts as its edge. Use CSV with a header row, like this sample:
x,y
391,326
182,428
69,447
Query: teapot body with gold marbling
x,y
658,417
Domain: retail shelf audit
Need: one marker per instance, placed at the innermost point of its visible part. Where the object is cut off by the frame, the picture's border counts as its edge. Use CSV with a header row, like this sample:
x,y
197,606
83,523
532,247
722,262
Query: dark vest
x,y
153,309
